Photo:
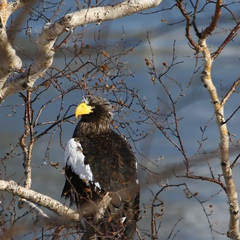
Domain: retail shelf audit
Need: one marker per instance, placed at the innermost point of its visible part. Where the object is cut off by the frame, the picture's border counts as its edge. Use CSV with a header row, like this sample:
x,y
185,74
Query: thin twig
x,y
229,93
188,24
208,30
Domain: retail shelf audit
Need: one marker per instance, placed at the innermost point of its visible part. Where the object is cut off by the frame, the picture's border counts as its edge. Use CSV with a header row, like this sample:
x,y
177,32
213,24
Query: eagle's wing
x,y
79,177
74,158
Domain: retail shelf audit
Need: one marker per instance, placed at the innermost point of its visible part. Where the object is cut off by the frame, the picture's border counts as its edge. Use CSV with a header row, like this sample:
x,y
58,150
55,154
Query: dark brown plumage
x,y
98,162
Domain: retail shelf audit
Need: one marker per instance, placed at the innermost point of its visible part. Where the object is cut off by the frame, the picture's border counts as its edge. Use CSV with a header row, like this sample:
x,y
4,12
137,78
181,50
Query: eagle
x,y
99,165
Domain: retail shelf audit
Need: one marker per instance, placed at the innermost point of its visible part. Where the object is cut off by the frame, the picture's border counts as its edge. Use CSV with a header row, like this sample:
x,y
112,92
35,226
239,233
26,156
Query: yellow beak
x,y
83,109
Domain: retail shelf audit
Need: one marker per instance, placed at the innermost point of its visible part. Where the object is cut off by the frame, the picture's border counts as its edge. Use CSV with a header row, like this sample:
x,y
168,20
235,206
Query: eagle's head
x,y
95,113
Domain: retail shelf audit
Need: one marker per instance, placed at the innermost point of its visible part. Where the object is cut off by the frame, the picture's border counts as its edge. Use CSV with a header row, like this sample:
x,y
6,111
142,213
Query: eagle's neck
x,y
86,128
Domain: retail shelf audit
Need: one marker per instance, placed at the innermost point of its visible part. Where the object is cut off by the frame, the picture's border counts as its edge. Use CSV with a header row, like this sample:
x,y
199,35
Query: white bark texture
x,y
31,200
231,191
40,199
10,62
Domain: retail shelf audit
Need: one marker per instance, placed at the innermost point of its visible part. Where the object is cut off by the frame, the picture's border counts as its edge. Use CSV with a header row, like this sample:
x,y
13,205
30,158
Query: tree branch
x,y
233,232
188,25
40,215
229,93
40,199
208,30
10,62
9,59
229,38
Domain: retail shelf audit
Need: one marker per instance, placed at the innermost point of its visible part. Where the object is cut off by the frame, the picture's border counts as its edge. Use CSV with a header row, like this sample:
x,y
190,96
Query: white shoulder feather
x,y
74,157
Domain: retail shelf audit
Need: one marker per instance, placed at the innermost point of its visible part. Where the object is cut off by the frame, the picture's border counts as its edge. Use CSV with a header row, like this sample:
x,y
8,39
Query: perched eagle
x,y
99,163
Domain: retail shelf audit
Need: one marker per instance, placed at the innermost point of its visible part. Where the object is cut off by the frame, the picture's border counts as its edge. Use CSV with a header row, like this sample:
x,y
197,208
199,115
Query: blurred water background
x,y
194,109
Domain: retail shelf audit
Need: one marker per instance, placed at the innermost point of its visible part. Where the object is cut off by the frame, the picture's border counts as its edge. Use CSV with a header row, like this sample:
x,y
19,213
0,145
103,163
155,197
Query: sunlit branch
x,y
40,199
208,30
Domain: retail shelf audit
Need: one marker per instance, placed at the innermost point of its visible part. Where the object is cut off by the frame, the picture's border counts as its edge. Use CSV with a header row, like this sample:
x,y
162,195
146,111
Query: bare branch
x,y
230,92
224,143
101,14
18,4
188,25
40,199
208,30
40,215
229,38
27,148
10,62
102,206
